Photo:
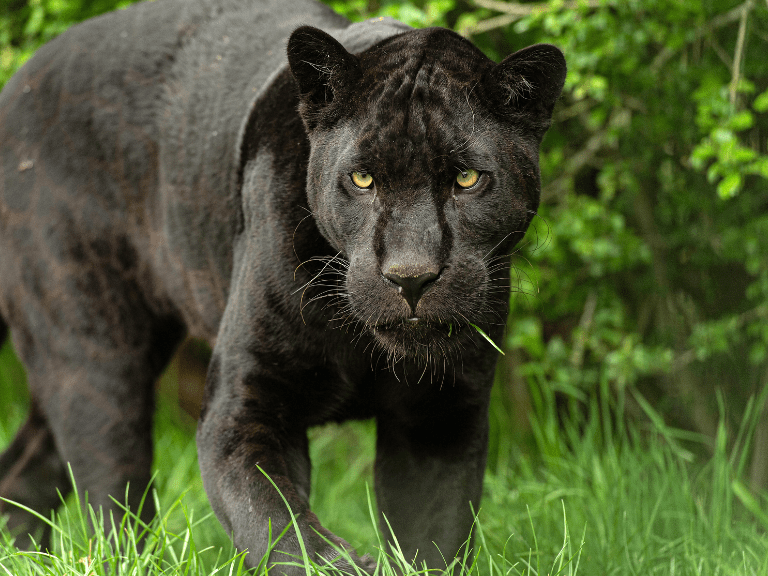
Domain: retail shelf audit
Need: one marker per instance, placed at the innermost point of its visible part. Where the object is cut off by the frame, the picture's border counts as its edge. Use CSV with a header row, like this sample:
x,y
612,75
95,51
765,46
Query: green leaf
x,y
35,22
729,186
741,121
701,154
761,102
723,136
759,167
713,172
484,335
749,502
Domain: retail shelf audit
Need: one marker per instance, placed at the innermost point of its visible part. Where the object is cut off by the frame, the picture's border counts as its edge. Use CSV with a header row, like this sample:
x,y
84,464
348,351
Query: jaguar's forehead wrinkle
x,y
417,125
417,96
419,61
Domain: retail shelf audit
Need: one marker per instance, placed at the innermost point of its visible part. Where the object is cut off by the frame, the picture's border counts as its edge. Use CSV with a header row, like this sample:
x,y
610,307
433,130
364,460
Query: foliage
x,y
27,24
650,264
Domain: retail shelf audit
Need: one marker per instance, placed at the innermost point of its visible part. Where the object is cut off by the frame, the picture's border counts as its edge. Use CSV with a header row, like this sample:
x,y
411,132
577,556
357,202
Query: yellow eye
x,y
467,178
362,179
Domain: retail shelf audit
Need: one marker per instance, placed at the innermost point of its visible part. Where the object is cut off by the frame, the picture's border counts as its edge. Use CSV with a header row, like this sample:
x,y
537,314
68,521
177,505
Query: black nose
x,y
412,287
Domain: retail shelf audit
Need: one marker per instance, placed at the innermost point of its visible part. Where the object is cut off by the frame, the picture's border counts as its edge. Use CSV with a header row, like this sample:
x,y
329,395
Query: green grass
x,y
596,497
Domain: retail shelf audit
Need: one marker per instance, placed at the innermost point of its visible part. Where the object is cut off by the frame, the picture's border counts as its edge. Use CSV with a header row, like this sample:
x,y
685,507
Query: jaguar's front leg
x,y
250,437
430,459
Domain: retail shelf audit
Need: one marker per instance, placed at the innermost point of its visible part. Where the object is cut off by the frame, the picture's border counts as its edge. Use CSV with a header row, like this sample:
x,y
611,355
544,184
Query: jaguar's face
x,y
423,187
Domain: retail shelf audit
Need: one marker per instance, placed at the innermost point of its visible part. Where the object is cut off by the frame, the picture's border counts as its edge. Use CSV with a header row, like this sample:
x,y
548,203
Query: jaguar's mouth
x,y
414,325
416,336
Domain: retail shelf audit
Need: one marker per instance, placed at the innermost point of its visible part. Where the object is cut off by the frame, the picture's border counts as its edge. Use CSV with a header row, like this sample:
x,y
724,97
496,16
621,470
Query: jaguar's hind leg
x,y
31,474
93,403
100,412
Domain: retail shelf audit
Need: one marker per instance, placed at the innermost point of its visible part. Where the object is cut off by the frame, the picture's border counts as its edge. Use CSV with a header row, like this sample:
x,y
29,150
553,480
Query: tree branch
x,y
746,7
521,10
490,24
717,22
582,332
512,11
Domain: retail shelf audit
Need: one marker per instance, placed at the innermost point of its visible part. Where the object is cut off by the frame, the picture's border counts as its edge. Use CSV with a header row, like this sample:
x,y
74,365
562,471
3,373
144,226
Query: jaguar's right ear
x,y
528,83
323,71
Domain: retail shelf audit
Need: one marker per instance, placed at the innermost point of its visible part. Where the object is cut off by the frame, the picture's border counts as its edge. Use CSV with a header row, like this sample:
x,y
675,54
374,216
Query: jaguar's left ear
x,y
529,81
323,70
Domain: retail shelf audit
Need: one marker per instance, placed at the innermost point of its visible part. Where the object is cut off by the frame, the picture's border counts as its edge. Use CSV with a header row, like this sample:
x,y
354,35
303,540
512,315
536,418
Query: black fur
x,y
164,170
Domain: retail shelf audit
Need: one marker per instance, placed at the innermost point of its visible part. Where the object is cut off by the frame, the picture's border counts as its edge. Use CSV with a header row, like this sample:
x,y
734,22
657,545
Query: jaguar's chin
x,y
417,338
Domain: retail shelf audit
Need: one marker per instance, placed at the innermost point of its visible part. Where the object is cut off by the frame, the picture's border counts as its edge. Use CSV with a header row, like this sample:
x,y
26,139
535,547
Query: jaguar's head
x,y
423,175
